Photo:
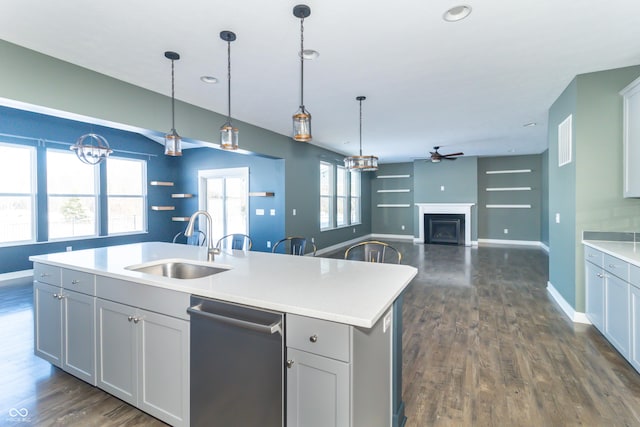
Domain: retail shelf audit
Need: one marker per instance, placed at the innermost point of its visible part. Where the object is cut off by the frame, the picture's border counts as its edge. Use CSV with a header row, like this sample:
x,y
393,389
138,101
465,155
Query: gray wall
x,y
588,192
521,224
391,220
459,178
42,83
544,198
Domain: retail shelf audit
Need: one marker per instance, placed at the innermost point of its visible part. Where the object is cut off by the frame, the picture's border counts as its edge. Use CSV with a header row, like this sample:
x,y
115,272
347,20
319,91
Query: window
x,y
326,196
354,197
17,193
72,196
126,195
227,192
341,196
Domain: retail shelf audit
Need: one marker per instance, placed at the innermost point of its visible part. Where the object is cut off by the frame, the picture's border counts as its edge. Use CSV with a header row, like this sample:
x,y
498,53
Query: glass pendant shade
x,y
228,137
302,125
172,144
361,163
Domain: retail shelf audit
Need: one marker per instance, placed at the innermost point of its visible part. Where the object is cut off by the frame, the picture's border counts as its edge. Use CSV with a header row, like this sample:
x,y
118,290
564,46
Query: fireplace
x,y
463,209
445,229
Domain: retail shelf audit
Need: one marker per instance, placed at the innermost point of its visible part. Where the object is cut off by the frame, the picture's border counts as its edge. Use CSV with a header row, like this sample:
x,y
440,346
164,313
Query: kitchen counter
x,y
626,251
350,292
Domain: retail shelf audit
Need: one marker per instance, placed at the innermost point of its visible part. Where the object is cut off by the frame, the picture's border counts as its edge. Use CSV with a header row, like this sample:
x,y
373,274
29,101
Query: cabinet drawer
x,y
320,337
634,275
593,255
617,267
79,281
44,273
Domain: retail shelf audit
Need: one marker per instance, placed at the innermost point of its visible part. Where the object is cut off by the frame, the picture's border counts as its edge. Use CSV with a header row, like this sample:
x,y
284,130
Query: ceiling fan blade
x,y
449,158
453,154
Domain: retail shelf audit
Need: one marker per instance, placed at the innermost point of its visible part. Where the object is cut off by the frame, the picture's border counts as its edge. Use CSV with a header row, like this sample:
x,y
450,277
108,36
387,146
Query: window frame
x,y
143,196
329,196
349,199
357,198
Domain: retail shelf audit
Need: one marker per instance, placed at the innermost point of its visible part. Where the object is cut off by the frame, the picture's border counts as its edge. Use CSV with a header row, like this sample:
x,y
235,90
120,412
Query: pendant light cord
x,y
360,128
229,81
173,100
302,63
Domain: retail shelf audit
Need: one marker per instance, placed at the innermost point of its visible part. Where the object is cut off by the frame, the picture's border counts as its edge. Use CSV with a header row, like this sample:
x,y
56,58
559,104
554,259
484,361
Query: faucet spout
x,y
211,251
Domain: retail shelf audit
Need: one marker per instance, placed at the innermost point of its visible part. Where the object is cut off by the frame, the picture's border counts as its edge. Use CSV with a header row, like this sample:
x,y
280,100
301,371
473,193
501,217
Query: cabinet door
x,y
631,139
47,304
595,295
117,350
78,336
164,367
617,313
634,307
317,391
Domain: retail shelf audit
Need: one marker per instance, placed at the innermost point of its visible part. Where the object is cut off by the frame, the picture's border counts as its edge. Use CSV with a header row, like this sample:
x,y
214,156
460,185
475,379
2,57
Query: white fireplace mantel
x,y
446,208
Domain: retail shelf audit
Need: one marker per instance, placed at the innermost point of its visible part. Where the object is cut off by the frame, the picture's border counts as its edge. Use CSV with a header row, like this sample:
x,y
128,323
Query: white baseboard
x,y
348,243
392,236
544,247
16,278
510,242
575,316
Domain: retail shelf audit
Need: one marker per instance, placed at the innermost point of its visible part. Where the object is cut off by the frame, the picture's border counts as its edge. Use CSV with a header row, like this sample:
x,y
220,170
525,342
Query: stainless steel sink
x,y
178,269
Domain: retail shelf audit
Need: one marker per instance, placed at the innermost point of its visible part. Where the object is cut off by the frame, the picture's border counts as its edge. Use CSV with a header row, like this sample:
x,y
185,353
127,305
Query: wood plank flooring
x,y
484,345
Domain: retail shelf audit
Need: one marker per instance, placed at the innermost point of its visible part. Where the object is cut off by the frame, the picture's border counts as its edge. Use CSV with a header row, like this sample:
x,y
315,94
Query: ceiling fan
x,y
436,157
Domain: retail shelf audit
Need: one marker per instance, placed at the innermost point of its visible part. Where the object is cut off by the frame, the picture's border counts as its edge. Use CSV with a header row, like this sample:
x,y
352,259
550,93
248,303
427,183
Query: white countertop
x,y
626,251
351,292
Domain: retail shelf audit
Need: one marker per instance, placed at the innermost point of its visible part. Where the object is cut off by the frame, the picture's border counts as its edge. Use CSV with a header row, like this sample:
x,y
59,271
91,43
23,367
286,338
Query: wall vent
x,y
564,141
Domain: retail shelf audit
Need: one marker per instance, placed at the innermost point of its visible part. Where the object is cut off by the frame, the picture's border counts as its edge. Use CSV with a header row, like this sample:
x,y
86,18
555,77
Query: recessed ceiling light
x,y
457,13
530,125
209,79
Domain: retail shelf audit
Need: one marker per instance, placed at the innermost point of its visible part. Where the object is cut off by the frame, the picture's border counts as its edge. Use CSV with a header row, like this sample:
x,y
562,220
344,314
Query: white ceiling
x,y
466,86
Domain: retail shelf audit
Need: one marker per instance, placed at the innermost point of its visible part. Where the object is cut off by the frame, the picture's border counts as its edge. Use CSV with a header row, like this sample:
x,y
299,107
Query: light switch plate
x,y
259,211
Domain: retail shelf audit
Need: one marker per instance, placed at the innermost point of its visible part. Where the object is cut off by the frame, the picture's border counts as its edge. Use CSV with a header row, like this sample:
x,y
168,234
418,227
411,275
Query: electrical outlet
x,y
442,188
557,218
294,212
272,212
69,248
354,230
268,244
313,240
402,227
506,231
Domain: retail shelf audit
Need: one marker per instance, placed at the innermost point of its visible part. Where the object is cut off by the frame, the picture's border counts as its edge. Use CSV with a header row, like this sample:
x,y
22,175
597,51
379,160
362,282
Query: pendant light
x,y
302,118
361,163
91,148
228,133
172,141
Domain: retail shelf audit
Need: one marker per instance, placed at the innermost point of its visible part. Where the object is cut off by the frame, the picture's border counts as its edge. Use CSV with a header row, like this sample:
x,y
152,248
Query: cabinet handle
x,y
136,320
591,255
600,275
75,282
289,363
44,275
55,295
313,338
129,318
612,266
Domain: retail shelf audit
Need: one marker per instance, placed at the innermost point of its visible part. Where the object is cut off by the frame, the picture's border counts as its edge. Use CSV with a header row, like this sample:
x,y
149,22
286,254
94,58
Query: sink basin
x,y
178,269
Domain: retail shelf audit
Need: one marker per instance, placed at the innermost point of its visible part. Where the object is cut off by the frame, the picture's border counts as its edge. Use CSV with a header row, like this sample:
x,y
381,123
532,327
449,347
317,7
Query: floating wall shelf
x,y
399,190
181,196
509,189
163,208
392,176
162,183
509,171
261,194
180,218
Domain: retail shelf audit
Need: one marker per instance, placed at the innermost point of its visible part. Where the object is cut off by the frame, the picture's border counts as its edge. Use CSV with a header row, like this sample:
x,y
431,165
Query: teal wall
x,y
588,192
522,224
544,198
459,178
391,220
38,82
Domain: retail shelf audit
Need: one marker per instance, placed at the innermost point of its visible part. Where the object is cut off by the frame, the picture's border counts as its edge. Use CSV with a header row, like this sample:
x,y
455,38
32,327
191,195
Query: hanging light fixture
x,y
172,141
361,163
302,118
228,133
91,148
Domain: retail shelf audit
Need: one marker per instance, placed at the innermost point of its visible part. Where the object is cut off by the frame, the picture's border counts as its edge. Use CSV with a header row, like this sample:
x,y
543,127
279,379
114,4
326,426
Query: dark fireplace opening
x,y
445,229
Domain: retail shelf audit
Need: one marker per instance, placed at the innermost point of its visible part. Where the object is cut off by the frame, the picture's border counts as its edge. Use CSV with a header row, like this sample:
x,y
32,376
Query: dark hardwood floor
x,y
484,345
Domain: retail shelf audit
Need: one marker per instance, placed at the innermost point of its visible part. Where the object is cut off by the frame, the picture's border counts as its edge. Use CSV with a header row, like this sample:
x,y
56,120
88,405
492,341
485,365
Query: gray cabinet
x,y
64,324
616,324
631,139
143,356
338,375
595,294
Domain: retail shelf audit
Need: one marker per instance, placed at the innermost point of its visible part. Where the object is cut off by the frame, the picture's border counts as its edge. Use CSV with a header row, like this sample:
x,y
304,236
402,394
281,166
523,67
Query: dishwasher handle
x,y
257,327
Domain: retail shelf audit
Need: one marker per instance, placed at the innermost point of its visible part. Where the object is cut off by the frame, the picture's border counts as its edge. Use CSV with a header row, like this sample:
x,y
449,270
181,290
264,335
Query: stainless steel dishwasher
x,y
237,364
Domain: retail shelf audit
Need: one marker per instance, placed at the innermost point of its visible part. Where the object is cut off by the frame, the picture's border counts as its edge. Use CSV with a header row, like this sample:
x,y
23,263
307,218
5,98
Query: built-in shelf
x,y
508,206
394,205
261,194
162,183
509,189
163,208
181,196
508,171
399,190
180,218
392,176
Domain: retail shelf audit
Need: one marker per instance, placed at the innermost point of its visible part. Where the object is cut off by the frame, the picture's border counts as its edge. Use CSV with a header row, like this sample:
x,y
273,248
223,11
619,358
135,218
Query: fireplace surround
x,y
445,208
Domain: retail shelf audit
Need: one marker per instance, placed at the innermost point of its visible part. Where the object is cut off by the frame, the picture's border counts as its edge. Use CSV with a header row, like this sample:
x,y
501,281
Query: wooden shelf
x,y
180,218
261,194
163,208
392,176
181,196
162,183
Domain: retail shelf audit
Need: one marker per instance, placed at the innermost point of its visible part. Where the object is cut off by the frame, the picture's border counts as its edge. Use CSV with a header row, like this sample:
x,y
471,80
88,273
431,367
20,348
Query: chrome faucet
x,y
211,251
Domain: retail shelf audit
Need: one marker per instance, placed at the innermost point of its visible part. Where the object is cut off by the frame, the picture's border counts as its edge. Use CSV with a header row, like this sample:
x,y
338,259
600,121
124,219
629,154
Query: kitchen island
x,y
106,292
